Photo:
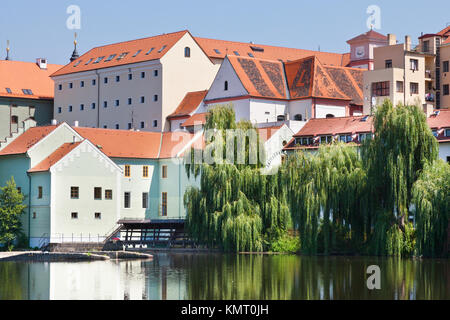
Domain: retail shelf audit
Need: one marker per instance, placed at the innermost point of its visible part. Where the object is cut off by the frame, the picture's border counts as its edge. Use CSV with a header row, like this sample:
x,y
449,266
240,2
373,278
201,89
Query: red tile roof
x,y
173,142
195,119
122,143
368,35
267,133
267,52
442,120
261,78
189,104
59,153
160,44
444,32
27,140
18,75
338,125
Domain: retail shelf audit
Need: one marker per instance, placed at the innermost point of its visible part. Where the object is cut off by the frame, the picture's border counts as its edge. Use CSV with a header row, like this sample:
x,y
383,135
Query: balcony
x,y
429,74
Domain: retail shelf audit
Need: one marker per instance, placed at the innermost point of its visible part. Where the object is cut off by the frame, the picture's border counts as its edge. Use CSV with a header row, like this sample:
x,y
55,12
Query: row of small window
x,y
75,193
413,64
380,89
28,92
106,80
130,125
105,104
127,202
446,132
127,171
329,139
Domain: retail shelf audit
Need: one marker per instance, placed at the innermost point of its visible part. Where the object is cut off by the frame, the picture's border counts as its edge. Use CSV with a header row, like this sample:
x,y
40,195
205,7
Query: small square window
x,y
129,126
14,119
117,78
59,109
142,124
59,88
108,194
130,76
74,192
98,216
82,84
142,75
34,215
155,123
117,103
105,127
98,193
117,127
74,215
70,85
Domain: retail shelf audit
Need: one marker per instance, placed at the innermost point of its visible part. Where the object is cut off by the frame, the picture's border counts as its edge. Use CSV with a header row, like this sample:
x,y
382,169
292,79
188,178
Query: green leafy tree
x,y
236,208
431,196
11,209
402,146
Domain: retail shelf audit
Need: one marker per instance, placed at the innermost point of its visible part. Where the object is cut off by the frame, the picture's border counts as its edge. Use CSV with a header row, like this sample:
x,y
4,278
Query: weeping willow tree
x,y
236,207
403,144
326,193
431,196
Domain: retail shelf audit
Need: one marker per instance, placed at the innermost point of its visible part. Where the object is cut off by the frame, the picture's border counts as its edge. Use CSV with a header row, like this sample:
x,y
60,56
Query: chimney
x,y
76,124
407,43
42,63
392,40
54,122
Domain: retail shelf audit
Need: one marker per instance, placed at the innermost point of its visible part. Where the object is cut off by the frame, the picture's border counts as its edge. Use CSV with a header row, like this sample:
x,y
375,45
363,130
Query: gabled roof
x,y
27,140
195,120
189,104
445,31
441,120
261,78
218,49
161,44
369,35
338,125
53,158
122,143
309,78
19,76
173,142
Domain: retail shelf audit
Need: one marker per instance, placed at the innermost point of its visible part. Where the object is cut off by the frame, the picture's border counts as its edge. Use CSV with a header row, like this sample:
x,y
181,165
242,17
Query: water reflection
x,y
201,276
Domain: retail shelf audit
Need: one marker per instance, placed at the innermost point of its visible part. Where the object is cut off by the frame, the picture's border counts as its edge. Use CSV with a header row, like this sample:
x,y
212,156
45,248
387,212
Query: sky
x,y
39,29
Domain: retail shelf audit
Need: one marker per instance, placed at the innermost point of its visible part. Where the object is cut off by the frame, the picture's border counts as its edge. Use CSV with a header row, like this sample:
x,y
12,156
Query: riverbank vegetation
x,y
11,210
341,199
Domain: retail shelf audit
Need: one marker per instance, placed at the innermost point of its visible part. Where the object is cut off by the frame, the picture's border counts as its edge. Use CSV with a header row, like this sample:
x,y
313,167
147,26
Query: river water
x,y
227,277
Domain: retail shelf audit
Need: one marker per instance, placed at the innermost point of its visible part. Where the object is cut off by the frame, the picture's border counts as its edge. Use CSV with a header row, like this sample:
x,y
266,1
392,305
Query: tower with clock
x,y
361,49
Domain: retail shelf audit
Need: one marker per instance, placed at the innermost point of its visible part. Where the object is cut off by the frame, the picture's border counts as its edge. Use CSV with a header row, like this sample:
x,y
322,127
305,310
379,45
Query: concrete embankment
x,y
36,256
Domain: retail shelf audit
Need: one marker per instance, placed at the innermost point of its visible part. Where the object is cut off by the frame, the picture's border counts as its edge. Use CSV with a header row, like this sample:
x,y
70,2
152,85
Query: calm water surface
x,y
216,276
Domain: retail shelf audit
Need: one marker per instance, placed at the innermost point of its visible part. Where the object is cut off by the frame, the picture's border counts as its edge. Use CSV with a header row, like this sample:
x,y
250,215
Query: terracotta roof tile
x,y
122,143
442,120
27,140
59,153
189,104
195,119
224,48
261,78
333,126
18,75
368,35
137,51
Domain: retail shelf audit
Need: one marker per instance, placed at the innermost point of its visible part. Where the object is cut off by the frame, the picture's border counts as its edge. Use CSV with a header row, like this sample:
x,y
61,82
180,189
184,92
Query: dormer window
x,y
217,51
123,55
110,57
150,51
99,59
225,86
135,55
162,49
187,52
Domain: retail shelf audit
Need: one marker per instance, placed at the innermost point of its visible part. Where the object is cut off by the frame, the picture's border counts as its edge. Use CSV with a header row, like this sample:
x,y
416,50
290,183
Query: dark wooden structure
x,y
161,232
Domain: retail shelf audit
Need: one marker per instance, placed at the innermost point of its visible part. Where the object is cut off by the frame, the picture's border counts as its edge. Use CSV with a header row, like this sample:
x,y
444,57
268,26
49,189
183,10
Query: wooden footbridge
x,y
150,233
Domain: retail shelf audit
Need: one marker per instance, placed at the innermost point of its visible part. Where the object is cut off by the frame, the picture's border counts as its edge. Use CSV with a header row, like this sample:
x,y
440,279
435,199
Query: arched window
x,y
281,118
187,52
226,86
298,117
329,115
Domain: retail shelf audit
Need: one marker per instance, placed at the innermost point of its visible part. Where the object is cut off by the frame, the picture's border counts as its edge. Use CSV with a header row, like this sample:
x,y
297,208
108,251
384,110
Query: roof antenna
x,y
75,54
7,50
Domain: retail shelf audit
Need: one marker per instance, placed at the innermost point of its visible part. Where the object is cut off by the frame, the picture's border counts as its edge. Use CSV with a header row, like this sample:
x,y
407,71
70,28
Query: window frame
x,y
164,171
74,190
127,200
144,171
381,89
98,193
127,171
108,194
164,204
